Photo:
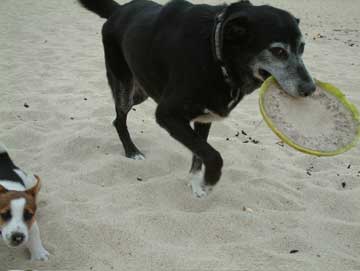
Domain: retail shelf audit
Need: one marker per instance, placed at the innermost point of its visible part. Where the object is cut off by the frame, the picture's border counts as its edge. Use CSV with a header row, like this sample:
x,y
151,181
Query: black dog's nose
x,y
17,238
307,89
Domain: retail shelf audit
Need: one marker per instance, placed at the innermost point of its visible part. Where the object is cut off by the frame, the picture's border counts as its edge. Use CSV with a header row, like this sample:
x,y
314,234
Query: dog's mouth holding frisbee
x,y
302,89
264,74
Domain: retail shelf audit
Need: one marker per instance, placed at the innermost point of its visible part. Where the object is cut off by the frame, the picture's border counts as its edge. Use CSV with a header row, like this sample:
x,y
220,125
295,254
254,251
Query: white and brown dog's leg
x,y
37,251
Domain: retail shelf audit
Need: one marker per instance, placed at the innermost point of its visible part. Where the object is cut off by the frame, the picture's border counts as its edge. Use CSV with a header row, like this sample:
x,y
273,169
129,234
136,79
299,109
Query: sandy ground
x,y
93,212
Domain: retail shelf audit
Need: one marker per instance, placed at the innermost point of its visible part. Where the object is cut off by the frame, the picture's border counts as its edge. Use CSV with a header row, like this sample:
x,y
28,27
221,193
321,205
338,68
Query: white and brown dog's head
x,y
17,213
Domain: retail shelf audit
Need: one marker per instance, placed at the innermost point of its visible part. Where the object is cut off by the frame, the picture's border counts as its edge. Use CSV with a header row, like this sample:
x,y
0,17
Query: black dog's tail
x,y
103,8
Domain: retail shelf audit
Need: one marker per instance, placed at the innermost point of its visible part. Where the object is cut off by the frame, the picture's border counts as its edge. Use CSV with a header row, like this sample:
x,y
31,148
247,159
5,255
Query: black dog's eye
x,y
27,215
6,216
301,48
279,52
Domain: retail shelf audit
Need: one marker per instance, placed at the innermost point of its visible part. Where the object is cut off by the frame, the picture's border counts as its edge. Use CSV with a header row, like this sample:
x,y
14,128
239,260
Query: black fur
x,y
7,167
104,8
166,52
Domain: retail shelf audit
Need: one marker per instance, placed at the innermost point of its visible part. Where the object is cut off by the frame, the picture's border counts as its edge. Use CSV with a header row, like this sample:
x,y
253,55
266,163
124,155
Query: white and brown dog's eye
x,y
27,215
6,216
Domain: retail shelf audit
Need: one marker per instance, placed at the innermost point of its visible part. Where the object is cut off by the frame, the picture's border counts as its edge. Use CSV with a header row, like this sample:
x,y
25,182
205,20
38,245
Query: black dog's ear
x,y
235,29
297,20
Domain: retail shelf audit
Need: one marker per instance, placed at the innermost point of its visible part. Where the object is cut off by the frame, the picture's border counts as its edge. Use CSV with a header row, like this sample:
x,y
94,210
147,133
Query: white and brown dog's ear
x,y
36,188
3,190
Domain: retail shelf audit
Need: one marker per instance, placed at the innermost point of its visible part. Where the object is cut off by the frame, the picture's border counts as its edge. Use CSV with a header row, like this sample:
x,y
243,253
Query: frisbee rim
x,y
326,87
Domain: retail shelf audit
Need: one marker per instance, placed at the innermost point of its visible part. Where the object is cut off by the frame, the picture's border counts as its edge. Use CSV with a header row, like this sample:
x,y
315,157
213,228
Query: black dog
x,y
197,62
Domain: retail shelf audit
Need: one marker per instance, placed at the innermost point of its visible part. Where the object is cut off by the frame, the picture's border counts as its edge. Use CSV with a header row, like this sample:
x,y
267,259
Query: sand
x,y
93,212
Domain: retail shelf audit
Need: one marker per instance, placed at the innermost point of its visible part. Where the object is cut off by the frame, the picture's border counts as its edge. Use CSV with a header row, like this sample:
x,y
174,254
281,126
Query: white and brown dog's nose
x,y
17,238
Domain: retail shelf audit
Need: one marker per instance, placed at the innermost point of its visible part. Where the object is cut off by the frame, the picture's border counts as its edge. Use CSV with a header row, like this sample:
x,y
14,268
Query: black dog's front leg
x,y
202,129
180,129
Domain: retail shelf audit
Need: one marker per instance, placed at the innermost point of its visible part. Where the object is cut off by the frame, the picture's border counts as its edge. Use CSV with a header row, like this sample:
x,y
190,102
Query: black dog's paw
x,y
199,188
136,156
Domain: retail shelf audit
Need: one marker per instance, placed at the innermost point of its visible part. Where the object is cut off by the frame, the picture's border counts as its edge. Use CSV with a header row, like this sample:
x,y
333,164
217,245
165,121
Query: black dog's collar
x,y
217,51
218,32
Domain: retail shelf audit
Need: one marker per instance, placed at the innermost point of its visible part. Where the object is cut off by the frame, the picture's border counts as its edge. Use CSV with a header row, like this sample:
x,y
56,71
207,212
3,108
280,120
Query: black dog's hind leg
x,y
131,151
179,128
123,88
202,129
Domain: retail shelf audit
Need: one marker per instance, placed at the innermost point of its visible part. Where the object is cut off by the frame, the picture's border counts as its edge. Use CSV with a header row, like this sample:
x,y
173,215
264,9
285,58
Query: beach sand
x,y
274,208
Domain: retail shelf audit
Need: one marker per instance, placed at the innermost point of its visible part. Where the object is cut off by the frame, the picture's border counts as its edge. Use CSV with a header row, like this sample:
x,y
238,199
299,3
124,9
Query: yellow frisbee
x,y
323,124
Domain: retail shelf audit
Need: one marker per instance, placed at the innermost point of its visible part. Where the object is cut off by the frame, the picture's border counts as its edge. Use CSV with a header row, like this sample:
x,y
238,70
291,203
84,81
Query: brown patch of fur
x,y
5,203
30,200
2,189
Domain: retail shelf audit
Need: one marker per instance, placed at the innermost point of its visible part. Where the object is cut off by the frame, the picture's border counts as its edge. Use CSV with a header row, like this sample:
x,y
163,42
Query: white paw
x,y
138,156
199,189
40,254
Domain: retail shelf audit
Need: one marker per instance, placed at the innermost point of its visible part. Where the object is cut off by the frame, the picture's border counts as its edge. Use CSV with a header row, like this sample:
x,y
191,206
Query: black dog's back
x,y
157,40
180,58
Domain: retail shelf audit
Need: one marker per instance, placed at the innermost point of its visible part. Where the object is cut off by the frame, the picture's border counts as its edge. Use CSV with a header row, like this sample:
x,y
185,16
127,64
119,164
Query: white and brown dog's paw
x,y
40,254
198,186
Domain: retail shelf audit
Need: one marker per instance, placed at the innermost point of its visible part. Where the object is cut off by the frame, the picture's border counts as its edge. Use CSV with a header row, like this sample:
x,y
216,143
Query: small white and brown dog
x,y
18,192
